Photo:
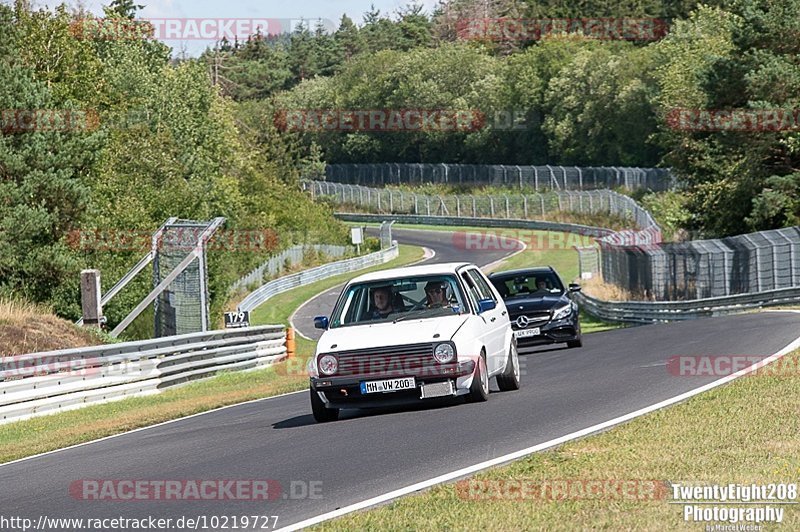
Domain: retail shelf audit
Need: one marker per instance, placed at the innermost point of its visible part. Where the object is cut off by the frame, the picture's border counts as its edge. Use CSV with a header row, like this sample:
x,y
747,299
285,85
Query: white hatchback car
x,y
411,334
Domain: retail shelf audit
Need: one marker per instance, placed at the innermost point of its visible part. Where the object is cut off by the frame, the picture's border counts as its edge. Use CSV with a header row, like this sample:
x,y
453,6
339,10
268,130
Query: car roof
x,y
427,269
523,271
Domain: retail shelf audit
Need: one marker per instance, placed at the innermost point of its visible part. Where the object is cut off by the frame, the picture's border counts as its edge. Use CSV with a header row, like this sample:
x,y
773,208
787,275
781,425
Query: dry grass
x,y
30,328
596,288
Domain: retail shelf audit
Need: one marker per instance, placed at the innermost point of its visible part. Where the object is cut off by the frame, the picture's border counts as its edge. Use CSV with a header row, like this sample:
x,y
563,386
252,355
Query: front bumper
x,y
552,332
345,391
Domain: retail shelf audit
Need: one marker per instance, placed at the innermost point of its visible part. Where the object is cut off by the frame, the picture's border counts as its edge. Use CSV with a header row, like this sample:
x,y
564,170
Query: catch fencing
x,y
635,260
42,383
543,178
524,206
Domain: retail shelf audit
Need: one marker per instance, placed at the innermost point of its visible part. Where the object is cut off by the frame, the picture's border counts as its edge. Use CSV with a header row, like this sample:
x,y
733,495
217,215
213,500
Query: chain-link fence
x,y
382,200
182,307
636,260
537,177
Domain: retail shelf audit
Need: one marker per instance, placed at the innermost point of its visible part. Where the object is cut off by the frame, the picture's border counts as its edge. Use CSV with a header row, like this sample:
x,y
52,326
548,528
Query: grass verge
x,y
46,433
744,432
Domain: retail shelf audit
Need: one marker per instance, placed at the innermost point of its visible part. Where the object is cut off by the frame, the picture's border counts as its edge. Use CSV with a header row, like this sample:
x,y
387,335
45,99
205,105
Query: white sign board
x,y
357,235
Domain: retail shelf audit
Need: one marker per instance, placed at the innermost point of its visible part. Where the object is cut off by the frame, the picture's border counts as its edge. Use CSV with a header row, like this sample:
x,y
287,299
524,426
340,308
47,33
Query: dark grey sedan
x,y
541,310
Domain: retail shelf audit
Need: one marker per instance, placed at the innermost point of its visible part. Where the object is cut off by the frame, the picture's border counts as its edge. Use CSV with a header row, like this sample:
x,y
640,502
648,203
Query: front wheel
x,y
479,390
509,380
321,413
575,343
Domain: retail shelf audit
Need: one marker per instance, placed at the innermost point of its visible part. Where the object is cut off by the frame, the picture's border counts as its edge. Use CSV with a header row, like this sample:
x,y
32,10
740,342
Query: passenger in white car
x,y
382,302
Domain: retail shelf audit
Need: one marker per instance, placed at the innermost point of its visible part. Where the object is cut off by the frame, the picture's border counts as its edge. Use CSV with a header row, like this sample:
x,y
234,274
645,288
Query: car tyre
x,y
575,343
508,381
322,414
479,390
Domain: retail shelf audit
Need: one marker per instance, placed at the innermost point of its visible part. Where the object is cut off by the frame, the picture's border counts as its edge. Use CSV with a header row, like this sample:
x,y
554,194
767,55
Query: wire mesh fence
x,y
537,177
635,260
525,206
182,307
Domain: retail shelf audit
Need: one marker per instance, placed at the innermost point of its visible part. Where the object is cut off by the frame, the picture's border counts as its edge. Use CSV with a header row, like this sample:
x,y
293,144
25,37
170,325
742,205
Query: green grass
x,y
745,432
47,433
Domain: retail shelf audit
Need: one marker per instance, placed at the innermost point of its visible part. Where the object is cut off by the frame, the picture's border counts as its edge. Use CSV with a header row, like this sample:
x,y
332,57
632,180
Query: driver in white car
x,y
436,293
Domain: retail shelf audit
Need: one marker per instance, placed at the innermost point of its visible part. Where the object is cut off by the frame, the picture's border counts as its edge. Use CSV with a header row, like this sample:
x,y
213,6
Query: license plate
x,y
526,333
388,385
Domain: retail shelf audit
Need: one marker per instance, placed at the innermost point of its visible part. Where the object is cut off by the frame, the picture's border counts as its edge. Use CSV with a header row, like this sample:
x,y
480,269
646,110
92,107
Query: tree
x,y
349,39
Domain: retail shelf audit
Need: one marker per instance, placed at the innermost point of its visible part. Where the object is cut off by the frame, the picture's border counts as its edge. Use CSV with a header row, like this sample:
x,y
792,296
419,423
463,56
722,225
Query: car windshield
x,y
528,284
394,300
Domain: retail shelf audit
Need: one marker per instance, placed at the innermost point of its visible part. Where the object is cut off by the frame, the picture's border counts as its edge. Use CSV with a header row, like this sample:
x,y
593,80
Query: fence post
x,y
90,298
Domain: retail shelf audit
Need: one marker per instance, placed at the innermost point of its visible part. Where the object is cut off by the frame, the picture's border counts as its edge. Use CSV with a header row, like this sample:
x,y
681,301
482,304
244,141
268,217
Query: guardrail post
x,y
290,343
90,298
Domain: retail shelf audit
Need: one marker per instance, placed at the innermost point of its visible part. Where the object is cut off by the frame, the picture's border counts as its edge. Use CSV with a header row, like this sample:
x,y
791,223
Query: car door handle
x,y
493,319
504,313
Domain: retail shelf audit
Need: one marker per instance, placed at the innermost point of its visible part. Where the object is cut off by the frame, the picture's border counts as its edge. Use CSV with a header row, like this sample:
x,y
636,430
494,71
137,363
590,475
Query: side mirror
x,y
485,305
321,322
574,287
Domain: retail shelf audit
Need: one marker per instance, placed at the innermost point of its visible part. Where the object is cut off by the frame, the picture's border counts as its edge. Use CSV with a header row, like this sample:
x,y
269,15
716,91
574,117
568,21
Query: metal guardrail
x,y
41,383
273,288
294,255
655,311
512,223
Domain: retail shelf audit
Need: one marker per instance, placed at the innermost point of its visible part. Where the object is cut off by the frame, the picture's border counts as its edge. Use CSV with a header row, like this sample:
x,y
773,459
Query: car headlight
x,y
563,312
444,353
328,364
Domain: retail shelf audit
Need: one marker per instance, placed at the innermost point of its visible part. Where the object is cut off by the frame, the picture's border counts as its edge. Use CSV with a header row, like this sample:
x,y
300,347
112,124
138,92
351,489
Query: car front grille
x,y
386,360
535,319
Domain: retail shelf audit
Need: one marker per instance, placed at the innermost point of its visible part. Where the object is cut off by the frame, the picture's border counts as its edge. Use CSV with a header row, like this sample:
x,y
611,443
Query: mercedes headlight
x,y
563,312
444,353
328,364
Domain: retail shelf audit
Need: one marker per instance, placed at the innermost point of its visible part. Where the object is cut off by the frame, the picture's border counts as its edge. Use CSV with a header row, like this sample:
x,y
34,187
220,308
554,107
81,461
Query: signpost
x,y
237,320
357,237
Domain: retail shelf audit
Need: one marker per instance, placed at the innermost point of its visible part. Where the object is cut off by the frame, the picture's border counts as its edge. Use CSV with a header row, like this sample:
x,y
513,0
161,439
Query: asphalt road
x,y
448,249
367,454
